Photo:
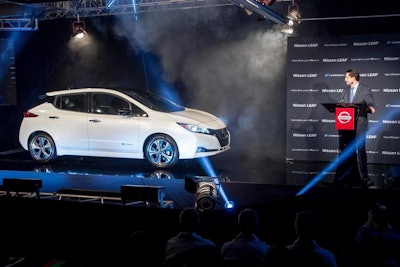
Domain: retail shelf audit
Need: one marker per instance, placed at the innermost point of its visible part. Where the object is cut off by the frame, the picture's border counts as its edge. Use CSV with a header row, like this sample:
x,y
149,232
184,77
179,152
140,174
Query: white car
x,y
100,122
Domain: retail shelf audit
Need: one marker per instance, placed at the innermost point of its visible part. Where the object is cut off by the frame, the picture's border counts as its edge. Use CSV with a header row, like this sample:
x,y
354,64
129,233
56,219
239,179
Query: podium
x,y
346,117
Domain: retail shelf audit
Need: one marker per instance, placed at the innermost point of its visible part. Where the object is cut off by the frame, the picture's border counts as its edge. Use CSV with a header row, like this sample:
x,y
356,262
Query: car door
x,y
68,122
111,127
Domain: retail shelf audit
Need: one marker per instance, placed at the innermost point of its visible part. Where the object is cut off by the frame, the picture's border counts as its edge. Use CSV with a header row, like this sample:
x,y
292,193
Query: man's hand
x,y
372,109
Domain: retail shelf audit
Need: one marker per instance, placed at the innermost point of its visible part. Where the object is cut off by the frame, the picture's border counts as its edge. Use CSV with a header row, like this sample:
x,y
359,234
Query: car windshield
x,y
154,101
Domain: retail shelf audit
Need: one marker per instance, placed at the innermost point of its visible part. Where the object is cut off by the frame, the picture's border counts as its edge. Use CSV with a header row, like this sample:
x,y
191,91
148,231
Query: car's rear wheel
x,y
161,151
42,148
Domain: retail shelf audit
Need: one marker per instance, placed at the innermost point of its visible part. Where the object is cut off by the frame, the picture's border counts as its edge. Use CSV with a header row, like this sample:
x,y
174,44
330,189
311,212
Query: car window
x,y
155,101
72,102
110,104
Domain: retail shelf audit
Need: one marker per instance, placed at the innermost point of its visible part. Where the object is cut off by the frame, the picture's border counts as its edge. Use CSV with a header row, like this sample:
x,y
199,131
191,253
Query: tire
x,y
161,151
42,148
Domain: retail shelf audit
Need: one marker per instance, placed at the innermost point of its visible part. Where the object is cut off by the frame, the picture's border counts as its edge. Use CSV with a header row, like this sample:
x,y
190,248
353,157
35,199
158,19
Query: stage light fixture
x,y
78,29
267,2
287,29
293,15
391,178
206,196
205,189
229,205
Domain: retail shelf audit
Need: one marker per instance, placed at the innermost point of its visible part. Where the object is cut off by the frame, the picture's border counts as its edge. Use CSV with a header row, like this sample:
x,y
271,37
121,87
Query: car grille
x,y
222,136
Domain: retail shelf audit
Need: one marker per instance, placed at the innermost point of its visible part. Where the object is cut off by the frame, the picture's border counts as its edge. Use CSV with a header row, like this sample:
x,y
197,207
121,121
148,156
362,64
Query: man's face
x,y
349,80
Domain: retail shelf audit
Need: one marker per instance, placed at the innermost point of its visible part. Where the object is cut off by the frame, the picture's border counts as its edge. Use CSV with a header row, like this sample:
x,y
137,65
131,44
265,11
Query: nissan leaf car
x,y
101,122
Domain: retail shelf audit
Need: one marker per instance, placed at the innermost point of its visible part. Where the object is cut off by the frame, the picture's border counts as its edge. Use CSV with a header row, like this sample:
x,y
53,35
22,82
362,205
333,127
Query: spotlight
x,y
287,29
229,205
293,14
266,2
205,189
391,178
78,29
206,196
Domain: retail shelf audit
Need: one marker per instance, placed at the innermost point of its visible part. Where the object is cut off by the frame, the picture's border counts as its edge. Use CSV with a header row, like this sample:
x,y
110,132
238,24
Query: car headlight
x,y
194,128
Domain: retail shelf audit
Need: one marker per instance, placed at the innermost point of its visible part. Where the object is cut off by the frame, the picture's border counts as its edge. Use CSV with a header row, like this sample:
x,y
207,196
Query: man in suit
x,y
360,94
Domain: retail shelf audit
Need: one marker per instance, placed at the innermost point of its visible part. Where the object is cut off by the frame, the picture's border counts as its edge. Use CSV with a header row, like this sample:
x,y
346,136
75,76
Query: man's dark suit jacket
x,y
363,96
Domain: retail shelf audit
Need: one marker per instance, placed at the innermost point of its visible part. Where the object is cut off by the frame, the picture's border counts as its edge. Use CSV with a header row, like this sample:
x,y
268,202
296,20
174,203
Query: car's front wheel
x,y
161,151
42,148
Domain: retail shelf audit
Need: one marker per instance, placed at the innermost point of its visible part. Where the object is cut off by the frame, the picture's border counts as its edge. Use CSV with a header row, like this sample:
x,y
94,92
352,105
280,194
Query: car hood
x,y
197,117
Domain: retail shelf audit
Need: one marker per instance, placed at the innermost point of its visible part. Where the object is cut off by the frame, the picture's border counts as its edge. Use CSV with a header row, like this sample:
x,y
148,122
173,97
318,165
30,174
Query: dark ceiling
x,y
310,8
318,17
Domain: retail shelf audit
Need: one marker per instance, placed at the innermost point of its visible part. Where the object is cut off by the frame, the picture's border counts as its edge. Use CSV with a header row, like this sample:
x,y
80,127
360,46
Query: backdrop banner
x,y
315,75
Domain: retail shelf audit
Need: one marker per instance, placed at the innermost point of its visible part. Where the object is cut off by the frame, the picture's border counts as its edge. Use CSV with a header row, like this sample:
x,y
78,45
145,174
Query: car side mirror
x,y
124,112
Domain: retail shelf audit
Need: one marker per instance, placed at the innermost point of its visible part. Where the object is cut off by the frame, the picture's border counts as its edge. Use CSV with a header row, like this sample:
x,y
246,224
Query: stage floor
x,y
242,181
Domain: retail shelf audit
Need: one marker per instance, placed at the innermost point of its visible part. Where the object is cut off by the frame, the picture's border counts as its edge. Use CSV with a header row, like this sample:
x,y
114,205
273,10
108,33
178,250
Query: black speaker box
x,y
19,185
154,194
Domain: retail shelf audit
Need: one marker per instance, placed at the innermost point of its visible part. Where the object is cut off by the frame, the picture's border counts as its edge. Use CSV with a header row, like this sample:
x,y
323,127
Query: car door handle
x,y
94,120
53,117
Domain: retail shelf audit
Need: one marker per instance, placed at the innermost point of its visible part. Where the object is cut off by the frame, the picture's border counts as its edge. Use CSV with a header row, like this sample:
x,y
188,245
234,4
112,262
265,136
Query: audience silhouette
x,y
305,250
375,243
188,248
141,250
246,249
378,243
279,255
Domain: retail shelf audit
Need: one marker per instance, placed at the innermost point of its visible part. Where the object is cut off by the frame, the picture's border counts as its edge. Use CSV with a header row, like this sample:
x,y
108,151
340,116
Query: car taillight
x,y
27,114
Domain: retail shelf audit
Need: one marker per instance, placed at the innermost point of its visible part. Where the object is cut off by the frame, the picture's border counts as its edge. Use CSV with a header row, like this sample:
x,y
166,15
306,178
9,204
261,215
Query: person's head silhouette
x,y
248,221
306,225
189,220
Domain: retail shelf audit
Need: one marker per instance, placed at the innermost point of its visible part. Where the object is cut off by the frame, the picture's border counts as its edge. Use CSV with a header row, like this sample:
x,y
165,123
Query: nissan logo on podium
x,y
344,118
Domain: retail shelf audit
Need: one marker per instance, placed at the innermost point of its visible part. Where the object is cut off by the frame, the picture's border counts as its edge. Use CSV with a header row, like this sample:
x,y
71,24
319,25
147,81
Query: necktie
x,y
351,94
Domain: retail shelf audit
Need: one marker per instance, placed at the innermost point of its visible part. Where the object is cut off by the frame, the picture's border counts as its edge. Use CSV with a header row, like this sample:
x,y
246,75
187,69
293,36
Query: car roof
x,y
82,90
